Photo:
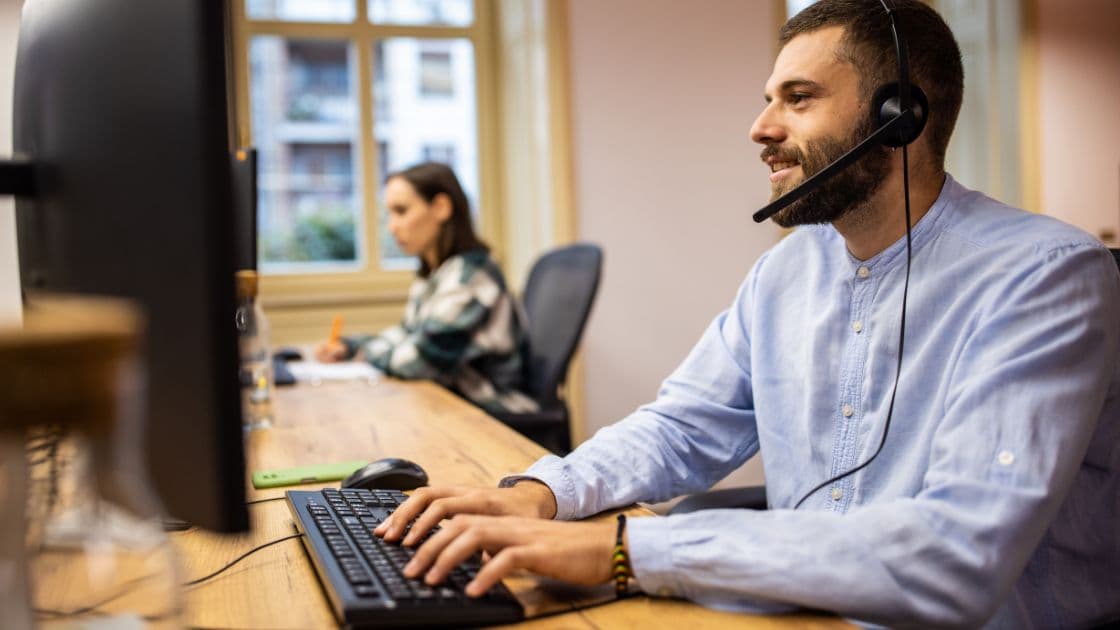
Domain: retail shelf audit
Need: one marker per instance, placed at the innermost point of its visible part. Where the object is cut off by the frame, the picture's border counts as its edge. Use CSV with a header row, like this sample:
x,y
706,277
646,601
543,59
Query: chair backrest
x,y
558,296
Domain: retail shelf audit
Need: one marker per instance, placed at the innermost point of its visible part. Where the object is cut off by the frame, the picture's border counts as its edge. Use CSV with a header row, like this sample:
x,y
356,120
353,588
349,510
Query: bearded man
x,y
995,495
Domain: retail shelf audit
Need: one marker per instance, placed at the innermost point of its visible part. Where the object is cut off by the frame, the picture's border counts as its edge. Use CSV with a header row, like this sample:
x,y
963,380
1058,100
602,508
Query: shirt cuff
x,y
552,472
353,344
650,557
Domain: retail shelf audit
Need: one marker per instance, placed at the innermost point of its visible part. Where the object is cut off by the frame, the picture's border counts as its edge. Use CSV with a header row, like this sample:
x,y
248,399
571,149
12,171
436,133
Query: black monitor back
x,y
122,107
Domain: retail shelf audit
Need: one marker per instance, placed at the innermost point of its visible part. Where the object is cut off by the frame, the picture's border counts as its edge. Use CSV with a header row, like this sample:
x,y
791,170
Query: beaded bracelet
x,y
621,570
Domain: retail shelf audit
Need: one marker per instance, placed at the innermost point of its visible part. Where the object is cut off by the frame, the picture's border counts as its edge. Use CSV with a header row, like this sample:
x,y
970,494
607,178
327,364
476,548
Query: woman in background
x,y
461,327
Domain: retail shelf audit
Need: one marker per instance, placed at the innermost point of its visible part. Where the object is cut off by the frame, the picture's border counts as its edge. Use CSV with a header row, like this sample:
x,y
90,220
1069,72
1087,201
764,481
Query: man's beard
x,y
843,193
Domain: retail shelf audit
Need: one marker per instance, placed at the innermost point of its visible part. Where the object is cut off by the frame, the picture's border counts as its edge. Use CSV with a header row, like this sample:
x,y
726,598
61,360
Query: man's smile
x,y
781,170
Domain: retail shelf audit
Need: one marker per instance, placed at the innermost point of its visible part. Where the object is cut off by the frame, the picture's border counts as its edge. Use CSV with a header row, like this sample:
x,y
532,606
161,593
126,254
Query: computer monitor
x,y
122,107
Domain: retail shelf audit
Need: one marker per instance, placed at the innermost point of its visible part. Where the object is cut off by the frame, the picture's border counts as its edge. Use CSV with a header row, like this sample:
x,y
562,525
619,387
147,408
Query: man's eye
x,y
797,98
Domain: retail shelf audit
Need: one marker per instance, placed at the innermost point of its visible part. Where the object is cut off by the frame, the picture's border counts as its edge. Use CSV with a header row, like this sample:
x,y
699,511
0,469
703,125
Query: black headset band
x,y
902,54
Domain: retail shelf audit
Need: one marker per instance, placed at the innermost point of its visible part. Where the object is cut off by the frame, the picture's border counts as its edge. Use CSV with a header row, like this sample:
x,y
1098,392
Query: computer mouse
x,y
391,473
287,354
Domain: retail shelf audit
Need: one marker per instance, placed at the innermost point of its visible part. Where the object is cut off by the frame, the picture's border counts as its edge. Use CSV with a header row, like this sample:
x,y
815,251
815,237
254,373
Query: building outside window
x,y
335,94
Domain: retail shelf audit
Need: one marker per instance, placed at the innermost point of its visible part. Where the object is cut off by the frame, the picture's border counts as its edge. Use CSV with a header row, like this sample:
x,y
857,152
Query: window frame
x,y
370,284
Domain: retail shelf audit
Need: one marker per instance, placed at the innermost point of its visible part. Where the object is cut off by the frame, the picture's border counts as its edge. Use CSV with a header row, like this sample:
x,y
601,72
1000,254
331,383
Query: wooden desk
x,y
455,442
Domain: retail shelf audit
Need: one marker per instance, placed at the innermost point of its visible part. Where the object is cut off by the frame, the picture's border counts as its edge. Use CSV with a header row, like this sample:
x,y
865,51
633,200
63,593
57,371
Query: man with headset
x,y
971,479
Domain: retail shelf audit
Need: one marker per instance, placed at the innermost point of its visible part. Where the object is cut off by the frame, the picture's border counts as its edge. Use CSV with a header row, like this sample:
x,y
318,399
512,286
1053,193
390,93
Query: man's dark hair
x,y
457,235
868,44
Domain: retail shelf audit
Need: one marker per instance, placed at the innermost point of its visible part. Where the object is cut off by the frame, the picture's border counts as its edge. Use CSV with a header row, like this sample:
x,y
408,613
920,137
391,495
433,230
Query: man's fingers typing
x,y
394,526
500,565
436,512
456,551
427,553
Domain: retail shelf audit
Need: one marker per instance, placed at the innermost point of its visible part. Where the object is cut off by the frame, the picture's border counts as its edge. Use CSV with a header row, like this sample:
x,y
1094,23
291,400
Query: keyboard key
x,y
367,590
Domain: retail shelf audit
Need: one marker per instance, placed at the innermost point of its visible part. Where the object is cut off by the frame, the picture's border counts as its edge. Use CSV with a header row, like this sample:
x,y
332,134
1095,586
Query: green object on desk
x,y
304,474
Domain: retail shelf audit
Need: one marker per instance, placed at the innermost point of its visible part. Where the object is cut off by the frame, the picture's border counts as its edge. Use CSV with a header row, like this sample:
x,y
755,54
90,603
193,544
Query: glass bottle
x,y
256,354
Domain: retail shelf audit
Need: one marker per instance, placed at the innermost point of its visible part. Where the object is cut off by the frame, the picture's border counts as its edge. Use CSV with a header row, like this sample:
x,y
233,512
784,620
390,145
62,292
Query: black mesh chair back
x,y
557,298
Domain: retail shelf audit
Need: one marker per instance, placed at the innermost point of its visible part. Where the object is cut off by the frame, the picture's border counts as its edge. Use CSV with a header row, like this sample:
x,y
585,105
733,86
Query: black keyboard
x,y
362,573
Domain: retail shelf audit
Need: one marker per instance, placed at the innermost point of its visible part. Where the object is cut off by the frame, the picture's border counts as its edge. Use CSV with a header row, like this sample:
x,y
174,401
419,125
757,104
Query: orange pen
x,y
336,329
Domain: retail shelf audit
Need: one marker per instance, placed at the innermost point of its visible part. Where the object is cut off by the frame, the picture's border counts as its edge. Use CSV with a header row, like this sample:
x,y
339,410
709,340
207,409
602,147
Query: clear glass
x,y
305,127
425,109
422,12
301,10
96,534
256,365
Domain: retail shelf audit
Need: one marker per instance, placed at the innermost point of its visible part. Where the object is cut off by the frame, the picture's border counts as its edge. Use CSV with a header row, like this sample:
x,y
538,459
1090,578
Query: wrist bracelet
x,y
620,571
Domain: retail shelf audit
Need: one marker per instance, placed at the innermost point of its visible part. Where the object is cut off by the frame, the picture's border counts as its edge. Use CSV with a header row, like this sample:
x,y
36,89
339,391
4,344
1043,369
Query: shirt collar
x,y
922,232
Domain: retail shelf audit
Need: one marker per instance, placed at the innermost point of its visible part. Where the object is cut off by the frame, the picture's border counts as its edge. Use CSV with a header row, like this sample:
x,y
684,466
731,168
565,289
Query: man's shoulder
x,y
992,229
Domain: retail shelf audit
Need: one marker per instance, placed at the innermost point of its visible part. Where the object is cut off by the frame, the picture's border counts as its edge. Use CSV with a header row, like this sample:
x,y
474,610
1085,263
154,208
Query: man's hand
x,y
580,553
429,506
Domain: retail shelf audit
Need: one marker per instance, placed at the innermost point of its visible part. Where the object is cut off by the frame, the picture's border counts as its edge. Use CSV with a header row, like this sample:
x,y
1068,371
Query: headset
x,y
900,111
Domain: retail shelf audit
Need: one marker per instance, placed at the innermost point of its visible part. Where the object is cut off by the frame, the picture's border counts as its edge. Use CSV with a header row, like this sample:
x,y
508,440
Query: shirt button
x,y
837,494
863,272
847,411
857,326
1006,458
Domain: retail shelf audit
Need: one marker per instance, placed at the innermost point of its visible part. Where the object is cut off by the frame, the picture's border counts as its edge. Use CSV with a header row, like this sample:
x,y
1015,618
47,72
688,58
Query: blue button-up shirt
x,y
996,498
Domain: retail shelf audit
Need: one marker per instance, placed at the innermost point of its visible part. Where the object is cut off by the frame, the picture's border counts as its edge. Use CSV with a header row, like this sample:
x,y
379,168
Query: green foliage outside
x,y
328,235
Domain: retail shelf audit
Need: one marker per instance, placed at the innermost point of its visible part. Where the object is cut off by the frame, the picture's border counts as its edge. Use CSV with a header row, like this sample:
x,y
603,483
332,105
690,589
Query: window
x,y
335,94
440,153
435,73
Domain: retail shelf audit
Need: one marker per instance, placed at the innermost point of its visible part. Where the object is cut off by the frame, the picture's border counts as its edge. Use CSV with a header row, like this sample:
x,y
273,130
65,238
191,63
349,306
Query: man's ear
x,y
441,203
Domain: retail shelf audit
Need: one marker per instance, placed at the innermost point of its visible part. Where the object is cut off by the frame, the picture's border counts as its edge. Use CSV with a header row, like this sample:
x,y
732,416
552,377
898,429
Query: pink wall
x,y
663,96
1079,106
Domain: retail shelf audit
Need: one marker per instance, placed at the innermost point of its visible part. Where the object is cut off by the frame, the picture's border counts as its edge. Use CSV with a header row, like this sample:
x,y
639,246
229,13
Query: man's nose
x,y
767,128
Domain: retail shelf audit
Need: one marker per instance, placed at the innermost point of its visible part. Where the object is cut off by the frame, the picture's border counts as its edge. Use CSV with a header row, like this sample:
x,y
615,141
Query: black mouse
x,y
391,473
287,354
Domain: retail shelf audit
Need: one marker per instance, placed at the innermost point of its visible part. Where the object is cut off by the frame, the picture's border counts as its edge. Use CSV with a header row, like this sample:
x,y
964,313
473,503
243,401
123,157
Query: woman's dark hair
x,y
456,235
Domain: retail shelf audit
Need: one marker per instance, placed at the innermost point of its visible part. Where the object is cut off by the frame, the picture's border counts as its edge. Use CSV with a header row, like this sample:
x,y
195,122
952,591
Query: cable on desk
x,y
125,589
130,586
266,500
240,558
172,524
572,608
46,438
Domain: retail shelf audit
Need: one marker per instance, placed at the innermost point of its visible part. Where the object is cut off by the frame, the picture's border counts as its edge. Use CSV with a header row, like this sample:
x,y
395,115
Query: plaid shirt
x,y
462,329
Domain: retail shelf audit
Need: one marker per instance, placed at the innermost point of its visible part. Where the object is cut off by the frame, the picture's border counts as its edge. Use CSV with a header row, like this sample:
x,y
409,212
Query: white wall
x,y
9,263
666,178
1079,107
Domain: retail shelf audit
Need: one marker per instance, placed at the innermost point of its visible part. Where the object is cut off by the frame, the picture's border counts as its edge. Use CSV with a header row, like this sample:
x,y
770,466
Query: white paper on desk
x,y
311,371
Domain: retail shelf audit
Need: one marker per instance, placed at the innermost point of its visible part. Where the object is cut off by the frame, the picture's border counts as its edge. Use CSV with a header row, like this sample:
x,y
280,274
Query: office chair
x,y
750,497
558,296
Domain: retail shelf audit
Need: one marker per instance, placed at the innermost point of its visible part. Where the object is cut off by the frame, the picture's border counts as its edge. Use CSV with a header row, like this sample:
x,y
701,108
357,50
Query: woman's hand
x,y
429,506
331,352
576,552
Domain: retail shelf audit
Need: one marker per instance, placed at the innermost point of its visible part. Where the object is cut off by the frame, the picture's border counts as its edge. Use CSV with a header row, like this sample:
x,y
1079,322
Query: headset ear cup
x,y
885,107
